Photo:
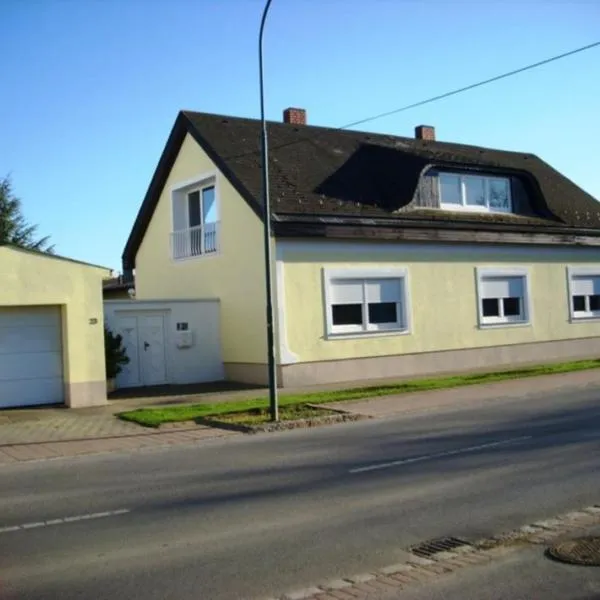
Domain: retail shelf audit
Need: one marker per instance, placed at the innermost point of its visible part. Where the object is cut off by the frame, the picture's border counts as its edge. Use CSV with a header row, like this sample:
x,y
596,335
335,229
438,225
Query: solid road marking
x,y
407,461
65,520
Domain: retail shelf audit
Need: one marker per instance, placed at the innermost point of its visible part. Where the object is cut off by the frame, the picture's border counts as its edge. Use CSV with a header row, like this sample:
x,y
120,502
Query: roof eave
x,y
372,229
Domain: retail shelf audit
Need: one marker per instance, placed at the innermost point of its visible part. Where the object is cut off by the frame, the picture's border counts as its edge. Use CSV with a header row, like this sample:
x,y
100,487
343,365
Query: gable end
x,y
181,127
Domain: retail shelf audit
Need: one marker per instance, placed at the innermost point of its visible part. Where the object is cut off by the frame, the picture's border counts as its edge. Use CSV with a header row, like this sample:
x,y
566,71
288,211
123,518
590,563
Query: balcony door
x,y
202,218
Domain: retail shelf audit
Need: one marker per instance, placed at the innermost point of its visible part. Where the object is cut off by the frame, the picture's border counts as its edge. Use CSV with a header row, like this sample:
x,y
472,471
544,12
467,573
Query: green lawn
x,y
153,417
260,416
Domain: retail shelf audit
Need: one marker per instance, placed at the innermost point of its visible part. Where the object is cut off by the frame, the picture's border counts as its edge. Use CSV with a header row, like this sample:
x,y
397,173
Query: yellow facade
x,y
443,297
33,279
234,275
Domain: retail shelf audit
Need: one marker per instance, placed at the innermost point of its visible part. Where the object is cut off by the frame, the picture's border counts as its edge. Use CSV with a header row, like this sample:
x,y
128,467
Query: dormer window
x,y
475,193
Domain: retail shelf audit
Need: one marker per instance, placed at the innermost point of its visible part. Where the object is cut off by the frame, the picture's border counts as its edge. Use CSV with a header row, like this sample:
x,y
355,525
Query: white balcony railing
x,y
195,241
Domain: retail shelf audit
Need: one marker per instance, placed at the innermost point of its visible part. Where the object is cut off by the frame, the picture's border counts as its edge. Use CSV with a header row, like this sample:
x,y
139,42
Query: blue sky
x,y
90,88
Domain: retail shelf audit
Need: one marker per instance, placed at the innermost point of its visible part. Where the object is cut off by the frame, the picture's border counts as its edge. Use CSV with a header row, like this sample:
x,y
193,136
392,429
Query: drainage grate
x,y
431,547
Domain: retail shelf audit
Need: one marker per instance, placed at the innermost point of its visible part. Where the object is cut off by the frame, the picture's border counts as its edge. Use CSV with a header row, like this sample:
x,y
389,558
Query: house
x,y
51,330
393,256
117,288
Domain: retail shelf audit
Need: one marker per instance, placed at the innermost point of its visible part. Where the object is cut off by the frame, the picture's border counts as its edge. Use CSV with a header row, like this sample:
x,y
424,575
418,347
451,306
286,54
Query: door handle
x,y
146,346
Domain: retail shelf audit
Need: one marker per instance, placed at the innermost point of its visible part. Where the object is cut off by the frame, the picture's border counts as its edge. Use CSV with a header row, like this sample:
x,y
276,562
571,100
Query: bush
x,y
114,353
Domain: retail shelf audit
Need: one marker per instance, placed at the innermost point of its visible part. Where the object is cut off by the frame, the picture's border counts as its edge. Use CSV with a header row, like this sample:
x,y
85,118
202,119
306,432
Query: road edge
x,y
417,570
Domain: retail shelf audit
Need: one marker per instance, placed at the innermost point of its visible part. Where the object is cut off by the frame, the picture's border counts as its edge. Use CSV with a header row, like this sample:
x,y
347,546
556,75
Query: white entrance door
x,y
30,356
151,348
144,342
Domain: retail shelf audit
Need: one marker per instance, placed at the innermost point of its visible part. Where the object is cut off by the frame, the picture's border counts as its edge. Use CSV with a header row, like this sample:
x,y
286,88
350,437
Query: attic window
x,y
475,193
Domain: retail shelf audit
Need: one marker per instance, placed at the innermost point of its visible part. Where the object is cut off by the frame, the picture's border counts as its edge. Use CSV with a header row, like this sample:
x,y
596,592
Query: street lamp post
x,y
273,407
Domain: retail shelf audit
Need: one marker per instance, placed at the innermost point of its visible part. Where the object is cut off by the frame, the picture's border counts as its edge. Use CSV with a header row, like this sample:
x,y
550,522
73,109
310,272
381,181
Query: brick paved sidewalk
x,y
142,439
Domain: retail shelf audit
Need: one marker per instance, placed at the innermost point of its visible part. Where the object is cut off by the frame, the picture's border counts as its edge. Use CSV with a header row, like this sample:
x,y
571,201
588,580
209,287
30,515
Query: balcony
x,y
195,241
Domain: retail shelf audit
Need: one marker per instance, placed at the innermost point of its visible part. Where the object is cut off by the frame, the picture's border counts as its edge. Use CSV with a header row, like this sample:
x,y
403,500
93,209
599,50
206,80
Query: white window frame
x,y
463,206
362,274
182,189
481,273
572,272
200,189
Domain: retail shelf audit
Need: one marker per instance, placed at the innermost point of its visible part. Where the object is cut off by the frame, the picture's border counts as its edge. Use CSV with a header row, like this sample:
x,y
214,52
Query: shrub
x,y
114,353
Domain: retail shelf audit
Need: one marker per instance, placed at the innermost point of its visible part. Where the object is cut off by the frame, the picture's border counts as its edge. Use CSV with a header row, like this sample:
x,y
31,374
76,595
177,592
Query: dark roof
x,y
318,171
117,283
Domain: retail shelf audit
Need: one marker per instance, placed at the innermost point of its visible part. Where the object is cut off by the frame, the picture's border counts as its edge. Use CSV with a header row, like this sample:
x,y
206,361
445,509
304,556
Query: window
x,y
474,192
584,284
366,302
503,296
195,220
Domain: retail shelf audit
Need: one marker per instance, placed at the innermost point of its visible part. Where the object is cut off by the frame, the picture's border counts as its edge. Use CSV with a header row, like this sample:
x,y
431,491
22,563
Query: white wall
x,y
200,362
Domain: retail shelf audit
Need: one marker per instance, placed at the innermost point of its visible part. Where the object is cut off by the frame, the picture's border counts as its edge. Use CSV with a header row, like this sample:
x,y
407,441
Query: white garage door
x,y
30,356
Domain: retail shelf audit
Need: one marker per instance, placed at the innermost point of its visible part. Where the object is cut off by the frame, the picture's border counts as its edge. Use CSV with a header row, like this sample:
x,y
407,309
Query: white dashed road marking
x,y
65,520
407,461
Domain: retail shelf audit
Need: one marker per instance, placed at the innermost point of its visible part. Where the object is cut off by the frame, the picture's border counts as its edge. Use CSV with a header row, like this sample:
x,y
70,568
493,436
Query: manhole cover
x,y
431,547
580,551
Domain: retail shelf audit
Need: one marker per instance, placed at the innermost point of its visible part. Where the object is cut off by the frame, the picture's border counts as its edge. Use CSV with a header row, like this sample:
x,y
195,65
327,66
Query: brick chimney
x,y
425,132
296,116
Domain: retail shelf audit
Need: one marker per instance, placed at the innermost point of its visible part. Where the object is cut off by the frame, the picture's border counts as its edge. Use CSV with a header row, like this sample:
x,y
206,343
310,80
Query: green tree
x,y
14,228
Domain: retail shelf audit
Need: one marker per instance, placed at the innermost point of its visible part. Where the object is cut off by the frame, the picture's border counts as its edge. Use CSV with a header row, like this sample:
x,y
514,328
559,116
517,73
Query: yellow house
x,y
393,256
51,330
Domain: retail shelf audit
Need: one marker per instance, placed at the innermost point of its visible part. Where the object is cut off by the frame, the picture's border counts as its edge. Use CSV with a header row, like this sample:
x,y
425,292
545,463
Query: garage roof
x,y
52,256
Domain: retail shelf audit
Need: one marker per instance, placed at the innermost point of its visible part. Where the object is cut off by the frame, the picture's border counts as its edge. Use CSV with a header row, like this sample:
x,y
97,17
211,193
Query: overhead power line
x,y
470,87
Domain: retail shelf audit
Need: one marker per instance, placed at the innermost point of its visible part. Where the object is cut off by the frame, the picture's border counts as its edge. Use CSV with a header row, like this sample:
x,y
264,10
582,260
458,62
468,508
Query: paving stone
x,y
340,595
438,569
576,514
420,575
417,560
478,558
347,594
303,594
336,584
464,550
459,563
361,578
529,529
403,578
20,452
6,458
445,555
593,510
548,524
399,568
367,588
384,583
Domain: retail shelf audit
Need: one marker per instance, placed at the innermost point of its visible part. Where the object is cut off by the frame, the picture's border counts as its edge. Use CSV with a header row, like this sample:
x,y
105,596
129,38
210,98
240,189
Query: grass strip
x,y
260,416
154,417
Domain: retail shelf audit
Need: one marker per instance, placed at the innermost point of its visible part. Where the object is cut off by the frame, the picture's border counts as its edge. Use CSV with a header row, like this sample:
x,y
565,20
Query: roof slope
x,y
318,171
51,255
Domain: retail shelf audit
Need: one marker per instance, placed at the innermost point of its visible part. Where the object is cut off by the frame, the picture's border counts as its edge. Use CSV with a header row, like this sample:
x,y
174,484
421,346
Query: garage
x,y
30,357
51,330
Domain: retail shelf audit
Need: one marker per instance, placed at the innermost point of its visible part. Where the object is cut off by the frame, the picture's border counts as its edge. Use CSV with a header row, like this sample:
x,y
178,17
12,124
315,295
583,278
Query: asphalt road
x,y
256,516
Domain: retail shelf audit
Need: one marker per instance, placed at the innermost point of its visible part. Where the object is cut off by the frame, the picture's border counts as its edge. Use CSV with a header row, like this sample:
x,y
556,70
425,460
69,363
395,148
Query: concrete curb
x,y
340,417
415,569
